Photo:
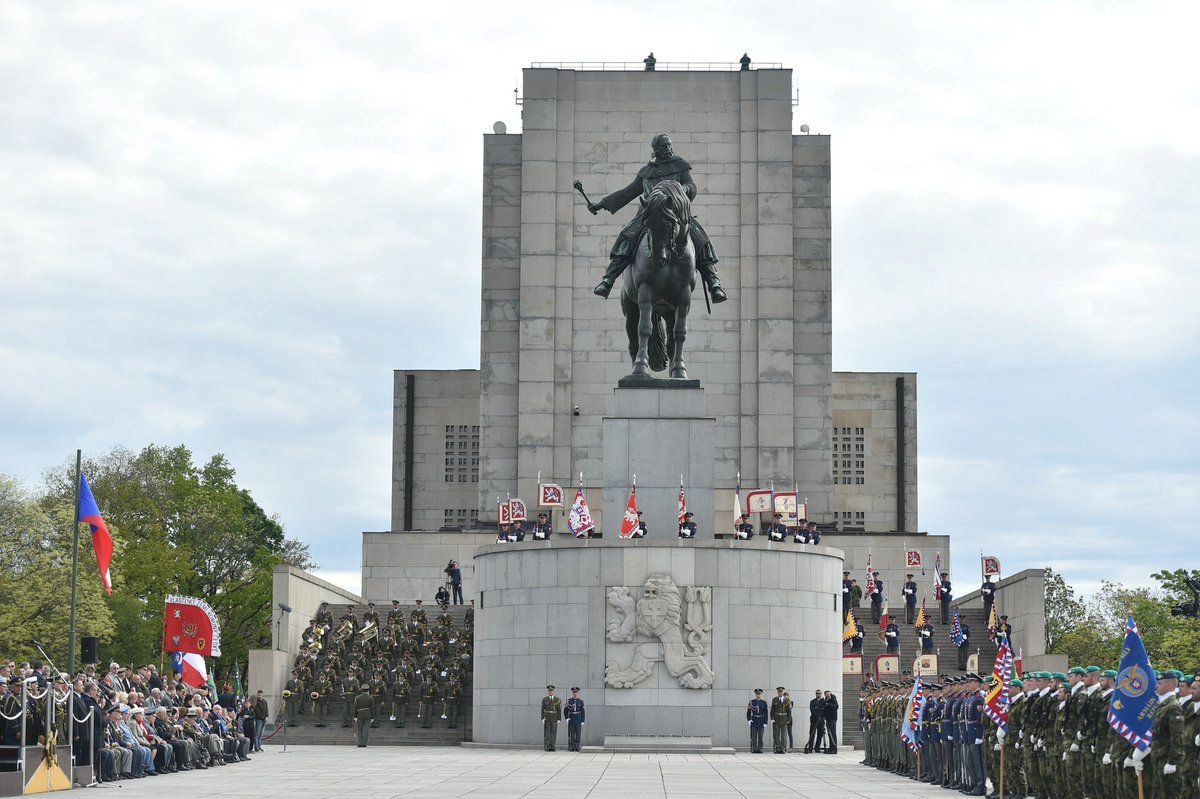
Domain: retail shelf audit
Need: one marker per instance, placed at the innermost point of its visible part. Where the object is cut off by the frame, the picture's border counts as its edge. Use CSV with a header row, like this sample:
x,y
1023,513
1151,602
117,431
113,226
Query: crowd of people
x,y
1059,743
129,723
394,659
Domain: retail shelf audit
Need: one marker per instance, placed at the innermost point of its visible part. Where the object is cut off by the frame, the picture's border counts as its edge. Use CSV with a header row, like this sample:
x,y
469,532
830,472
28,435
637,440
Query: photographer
x,y
455,574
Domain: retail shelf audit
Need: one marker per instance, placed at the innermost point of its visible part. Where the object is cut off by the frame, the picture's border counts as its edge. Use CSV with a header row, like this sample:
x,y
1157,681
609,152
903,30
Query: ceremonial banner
x,y
191,625
851,664
737,502
887,664
914,717
851,628
925,664
629,522
516,511
993,623
579,520
550,495
1131,708
996,702
503,512
788,504
870,579
758,502
973,662
956,631
937,577
102,542
682,508
920,622
991,565
912,559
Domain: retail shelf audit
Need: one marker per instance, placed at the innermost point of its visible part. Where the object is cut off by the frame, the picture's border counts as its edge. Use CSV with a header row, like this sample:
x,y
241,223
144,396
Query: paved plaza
x,y
325,772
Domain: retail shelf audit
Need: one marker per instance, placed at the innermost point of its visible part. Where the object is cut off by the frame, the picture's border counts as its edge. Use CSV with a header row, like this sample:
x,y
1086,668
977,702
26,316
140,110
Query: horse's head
x,y
668,215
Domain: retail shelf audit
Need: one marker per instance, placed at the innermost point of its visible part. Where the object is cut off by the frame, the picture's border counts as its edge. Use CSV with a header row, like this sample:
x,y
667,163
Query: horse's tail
x,y
658,342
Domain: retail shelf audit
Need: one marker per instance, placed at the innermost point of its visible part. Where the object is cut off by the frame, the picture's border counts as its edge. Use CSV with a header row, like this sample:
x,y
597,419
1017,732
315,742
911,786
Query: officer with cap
x,y
910,599
988,592
756,715
542,530
947,596
777,531
876,599
576,715
688,528
1160,762
640,530
891,635
551,712
847,594
781,716
744,530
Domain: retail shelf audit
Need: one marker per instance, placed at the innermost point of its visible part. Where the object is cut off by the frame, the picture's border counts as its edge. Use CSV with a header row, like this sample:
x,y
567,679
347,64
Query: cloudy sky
x,y
215,219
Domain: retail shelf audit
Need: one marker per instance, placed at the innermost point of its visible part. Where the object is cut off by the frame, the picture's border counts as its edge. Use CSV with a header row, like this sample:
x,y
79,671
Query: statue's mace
x,y
579,188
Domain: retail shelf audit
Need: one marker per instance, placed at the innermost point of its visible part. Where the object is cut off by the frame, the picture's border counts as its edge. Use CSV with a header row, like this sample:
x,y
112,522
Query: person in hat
x,y
551,712
964,646
800,533
780,717
640,530
847,594
876,599
1005,630
1161,761
891,637
946,597
364,714
816,724
743,530
776,531
909,590
542,530
576,715
756,716
988,592
688,528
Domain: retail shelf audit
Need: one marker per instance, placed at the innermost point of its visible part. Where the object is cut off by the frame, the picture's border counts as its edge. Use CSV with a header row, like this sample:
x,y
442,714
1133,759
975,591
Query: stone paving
x,y
324,772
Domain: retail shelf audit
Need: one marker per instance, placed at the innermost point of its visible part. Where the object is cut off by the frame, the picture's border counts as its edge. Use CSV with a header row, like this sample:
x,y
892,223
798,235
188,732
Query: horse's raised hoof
x,y
679,373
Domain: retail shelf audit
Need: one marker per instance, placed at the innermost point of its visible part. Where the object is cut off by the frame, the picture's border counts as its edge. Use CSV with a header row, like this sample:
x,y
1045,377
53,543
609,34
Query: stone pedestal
x,y
659,434
552,614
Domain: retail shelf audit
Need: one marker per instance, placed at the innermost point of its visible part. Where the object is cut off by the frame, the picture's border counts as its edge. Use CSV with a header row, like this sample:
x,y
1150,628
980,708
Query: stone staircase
x,y
909,648
386,734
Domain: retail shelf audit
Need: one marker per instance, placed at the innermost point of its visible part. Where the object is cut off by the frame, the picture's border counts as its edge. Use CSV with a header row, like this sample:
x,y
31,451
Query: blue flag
x,y
1131,712
911,728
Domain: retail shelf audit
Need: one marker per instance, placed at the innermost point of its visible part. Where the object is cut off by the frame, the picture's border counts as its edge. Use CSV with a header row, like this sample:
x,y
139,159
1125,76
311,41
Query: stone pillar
x,y
659,434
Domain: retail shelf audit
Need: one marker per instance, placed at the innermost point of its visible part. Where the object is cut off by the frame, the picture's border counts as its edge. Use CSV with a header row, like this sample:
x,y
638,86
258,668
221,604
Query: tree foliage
x,y
178,528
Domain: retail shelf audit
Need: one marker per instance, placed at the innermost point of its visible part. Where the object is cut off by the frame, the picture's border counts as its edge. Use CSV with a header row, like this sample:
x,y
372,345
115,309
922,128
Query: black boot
x,y
615,268
708,273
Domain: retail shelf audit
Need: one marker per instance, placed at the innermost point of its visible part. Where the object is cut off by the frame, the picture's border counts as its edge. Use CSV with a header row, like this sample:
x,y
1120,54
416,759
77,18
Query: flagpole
x,y
74,562
1002,748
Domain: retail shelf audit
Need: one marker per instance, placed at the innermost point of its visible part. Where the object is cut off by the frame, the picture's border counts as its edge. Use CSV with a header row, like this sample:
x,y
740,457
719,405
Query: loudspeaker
x,y
91,649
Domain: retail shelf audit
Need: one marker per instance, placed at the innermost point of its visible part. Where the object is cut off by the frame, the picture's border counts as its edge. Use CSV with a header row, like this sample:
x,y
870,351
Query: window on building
x,y
449,428
475,429
858,431
449,477
475,477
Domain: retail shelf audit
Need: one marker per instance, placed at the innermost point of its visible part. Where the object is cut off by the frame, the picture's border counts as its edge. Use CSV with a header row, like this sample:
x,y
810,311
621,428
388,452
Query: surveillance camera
x,y
575,412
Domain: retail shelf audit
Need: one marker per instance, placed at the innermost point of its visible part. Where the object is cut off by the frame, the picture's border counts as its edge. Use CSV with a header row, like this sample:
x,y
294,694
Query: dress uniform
x,y
295,687
551,711
947,596
640,531
891,635
743,529
454,693
988,592
847,594
688,528
925,633
756,715
363,705
576,715
542,530
776,531
321,704
910,599
400,690
964,648
1161,762
780,715
877,599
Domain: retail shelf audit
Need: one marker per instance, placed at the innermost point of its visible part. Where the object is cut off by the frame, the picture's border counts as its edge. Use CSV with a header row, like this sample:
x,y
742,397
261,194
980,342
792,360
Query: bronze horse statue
x,y
657,293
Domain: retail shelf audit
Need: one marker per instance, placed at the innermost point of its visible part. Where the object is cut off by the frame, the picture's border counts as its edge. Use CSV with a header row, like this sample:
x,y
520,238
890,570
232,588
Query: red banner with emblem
x,y
190,625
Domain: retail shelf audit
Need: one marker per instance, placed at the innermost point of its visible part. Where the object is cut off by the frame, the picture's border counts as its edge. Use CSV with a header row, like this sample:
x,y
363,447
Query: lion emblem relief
x,y
678,620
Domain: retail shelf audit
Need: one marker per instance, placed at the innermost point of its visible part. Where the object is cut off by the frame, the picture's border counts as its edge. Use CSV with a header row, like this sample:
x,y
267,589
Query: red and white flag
x,y
629,522
737,502
912,559
195,673
503,511
579,520
516,511
682,501
937,577
870,578
550,495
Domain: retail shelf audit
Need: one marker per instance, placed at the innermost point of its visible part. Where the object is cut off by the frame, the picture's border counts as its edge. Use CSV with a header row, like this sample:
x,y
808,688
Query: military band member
x,y
640,530
350,616
551,712
417,616
349,691
688,528
363,706
379,692
756,715
324,617
780,716
322,689
776,531
454,693
371,615
395,616
910,599
946,597
891,637
576,715
429,699
876,599
964,646
542,530
744,530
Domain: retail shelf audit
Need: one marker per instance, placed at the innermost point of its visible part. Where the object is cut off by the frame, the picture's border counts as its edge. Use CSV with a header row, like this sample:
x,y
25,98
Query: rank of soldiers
x,y
1059,743
389,661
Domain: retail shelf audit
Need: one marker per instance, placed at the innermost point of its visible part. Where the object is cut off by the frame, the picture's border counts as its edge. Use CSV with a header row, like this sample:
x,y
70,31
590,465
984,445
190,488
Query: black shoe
x,y
603,288
718,294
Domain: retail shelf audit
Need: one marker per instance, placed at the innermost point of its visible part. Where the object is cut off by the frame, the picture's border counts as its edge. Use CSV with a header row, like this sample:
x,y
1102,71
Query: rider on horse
x,y
665,165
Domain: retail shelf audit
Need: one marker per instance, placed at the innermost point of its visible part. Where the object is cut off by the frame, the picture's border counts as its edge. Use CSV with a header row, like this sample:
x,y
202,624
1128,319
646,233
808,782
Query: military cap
x,y
1169,674
689,513
757,691
1109,673
1058,675
934,686
842,572
1187,678
575,689
549,687
1075,670
1017,681
1092,669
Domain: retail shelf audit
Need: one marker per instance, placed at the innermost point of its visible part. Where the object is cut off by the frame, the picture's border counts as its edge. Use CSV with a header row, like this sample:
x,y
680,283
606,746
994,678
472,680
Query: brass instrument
x,y
370,632
286,693
344,632
315,695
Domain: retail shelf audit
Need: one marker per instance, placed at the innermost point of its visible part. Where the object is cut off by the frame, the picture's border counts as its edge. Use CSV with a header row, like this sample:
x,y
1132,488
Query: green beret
x,y
1169,674
1058,675
1188,678
1075,670
1017,682
1110,674
1092,669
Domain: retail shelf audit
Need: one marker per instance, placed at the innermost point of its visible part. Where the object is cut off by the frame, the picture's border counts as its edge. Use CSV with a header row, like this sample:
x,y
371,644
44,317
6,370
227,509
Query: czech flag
x,y
101,540
191,668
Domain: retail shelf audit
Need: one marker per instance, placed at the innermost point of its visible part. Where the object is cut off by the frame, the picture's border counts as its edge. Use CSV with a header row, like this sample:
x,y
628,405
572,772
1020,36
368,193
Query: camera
x,y
449,568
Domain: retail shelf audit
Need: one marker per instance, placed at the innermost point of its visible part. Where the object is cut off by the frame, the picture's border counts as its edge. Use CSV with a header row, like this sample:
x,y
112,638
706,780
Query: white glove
x,y
1138,766
1017,745
1041,743
1001,734
996,748
1074,748
1198,736
1078,736
1128,763
1022,735
1168,769
1064,756
1107,759
1140,754
978,741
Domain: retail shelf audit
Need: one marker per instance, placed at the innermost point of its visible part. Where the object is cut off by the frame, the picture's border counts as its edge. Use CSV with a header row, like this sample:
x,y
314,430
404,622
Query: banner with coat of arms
x,y
550,495
191,625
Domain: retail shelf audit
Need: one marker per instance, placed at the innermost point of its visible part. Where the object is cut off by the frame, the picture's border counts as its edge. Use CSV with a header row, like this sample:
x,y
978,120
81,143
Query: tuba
x,y
370,632
344,632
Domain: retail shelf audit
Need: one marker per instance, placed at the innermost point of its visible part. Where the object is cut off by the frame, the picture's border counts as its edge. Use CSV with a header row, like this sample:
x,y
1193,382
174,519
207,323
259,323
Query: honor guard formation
x,y
1059,744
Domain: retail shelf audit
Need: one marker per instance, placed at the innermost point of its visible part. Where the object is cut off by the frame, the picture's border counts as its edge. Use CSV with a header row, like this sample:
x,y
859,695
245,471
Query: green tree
x,y
1063,611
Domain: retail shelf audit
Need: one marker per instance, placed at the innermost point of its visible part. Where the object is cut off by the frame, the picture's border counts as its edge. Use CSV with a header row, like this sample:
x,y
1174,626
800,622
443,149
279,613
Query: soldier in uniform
x,y
395,616
744,530
779,722
321,703
1071,723
909,590
399,692
776,531
324,617
964,646
542,530
363,707
665,165
946,597
576,715
800,533
417,616
296,688
379,692
371,615
454,694
876,599
640,530
350,616
688,528
551,710
816,725
847,593
349,691
756,715
1190,772
987,591
891,635
1092,723
1160,762
925,635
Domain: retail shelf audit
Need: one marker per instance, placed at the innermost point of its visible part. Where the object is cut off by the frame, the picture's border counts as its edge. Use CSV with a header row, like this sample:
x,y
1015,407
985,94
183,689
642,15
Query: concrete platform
x,y
332,772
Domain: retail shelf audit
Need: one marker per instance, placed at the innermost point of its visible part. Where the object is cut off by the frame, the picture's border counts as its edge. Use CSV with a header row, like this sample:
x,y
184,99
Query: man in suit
x,y
876,599
551,710
816,724
756,715
364,709
829,709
